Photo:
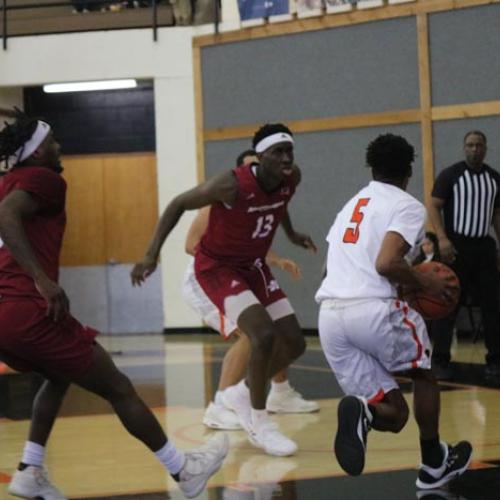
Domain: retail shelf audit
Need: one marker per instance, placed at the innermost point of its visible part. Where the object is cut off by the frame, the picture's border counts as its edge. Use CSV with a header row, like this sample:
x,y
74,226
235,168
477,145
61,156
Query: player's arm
x,y
434,209
302,240
197,230
15,207
391,264
289,265
223,187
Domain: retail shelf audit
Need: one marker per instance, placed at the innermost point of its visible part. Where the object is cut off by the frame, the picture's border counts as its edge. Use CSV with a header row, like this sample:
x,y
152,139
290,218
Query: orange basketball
x,y
431,306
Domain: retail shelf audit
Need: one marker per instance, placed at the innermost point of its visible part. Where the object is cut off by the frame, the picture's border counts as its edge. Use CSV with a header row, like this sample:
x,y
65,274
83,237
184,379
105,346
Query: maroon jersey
x,y
243,232
45,229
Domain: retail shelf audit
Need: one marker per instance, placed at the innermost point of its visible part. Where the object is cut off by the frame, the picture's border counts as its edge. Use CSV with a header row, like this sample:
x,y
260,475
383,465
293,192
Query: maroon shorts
x,y
31,341
221,282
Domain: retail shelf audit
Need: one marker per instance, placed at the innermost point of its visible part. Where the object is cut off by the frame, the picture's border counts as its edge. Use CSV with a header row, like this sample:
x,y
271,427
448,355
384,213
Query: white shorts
x,y
195,296
197,299
367,340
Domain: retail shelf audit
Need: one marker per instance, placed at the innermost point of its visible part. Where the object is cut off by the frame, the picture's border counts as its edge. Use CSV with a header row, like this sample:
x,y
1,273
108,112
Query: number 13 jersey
x,y
356,237
243,232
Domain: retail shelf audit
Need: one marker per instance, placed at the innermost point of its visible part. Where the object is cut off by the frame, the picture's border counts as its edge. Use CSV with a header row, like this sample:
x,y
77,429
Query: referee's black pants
x,y
476,267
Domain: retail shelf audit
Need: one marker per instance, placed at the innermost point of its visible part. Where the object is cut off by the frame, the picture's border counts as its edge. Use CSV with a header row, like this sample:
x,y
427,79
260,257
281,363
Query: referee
x,y
465,203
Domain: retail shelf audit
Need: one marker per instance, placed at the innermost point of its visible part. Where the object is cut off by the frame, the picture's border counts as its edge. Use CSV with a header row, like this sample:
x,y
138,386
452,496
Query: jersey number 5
x,y
351,235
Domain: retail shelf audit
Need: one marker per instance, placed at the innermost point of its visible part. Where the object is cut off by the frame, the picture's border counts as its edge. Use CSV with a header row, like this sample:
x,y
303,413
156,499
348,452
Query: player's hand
x,y
142,270
447,250
439,285
55,296
290,266
304,241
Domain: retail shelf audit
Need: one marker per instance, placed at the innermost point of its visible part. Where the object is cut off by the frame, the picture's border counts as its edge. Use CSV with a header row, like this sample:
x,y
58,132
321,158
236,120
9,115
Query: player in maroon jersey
x,y
37,332
247,205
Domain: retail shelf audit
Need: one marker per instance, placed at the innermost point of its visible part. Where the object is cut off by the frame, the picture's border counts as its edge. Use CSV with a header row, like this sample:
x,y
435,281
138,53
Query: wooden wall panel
x,y
131,204
84,241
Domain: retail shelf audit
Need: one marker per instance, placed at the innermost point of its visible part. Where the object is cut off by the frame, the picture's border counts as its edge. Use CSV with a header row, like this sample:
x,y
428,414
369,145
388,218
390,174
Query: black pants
x,y
476,267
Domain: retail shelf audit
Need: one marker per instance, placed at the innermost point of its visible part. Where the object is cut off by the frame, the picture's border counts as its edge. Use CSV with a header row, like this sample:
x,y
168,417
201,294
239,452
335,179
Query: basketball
x,y
431,306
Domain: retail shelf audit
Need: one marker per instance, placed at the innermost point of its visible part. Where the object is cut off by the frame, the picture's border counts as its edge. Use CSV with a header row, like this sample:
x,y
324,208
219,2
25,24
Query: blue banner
x,y
257,9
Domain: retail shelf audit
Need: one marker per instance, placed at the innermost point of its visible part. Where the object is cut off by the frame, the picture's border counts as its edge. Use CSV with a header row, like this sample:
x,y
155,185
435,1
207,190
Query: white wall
x,y
129,53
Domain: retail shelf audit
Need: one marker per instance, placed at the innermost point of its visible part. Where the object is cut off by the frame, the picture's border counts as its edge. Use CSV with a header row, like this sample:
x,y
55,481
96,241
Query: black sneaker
x,y
350,442
457,459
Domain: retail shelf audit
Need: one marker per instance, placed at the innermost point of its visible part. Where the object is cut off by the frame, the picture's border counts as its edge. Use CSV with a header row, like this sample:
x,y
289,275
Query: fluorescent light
x,y
53,88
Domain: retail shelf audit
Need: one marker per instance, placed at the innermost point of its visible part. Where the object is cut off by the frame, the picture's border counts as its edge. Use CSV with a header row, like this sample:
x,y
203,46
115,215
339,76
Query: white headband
x,y
30,146
271,140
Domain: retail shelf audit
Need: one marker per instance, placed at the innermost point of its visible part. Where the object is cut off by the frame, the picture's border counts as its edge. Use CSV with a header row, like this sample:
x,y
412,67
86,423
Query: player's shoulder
x,y
40,174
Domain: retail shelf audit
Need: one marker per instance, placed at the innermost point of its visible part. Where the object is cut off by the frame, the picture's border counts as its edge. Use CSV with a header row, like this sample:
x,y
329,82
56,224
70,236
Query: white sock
x,y
33,454
258,417
218,398
280,386
171,458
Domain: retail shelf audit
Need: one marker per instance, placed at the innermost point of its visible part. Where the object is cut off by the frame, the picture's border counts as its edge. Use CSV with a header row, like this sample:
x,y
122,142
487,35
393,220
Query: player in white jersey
x,y
367,333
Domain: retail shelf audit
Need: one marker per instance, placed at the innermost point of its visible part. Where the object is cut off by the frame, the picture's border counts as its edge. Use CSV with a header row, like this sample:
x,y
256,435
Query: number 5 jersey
x,y
356,237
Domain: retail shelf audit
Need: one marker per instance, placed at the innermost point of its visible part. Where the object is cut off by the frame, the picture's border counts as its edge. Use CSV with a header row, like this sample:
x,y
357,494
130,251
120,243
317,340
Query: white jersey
x,y
356,237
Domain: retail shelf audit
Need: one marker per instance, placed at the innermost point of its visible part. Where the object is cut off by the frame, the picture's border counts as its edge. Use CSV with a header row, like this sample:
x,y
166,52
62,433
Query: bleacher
x,y
34,17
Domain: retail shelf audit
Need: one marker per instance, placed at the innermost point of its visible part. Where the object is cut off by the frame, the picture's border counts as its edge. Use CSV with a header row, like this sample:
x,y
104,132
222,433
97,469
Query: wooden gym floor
x,y
91,456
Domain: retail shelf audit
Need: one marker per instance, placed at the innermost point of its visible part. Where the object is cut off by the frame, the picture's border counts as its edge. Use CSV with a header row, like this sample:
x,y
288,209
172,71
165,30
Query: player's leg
x,y
441,462
217,415
234,366
282,397
410,343
193,468
31,479
235,362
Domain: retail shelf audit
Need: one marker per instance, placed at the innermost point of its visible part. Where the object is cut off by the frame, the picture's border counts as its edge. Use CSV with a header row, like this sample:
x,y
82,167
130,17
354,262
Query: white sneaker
x,y
237,399
269,438
219,417
201,464
289,401
34,482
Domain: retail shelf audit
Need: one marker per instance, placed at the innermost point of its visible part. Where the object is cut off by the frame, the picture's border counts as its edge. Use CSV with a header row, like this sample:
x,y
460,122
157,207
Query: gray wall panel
x,y
333,170
364,68
87,291
465,48
103,298
448,140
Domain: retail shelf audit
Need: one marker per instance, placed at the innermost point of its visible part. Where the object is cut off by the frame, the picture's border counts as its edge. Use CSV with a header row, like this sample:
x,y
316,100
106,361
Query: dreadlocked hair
x,y
14,135
269,129
390,156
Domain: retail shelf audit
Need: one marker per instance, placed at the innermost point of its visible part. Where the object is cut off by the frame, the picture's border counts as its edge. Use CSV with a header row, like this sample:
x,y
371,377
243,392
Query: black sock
x,y
22,466
176,477
432,452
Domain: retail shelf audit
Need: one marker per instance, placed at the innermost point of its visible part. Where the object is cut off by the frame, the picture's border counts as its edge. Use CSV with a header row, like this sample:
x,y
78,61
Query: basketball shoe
x,y
34,482
201,463
221,418
455,462
268,437
289,401
237,398
354,420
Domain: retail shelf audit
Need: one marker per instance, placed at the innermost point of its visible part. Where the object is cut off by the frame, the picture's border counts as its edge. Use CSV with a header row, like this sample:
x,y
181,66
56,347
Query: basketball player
x,y
247,205
367,334
37,332
282,398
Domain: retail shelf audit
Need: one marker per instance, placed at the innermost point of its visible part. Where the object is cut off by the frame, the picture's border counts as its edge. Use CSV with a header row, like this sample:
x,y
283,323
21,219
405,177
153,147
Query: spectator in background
x,y
465,203
429,250
80,6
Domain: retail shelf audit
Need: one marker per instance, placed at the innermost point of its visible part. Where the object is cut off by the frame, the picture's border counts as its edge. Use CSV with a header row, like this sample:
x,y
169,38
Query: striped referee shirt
x,y
470,199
